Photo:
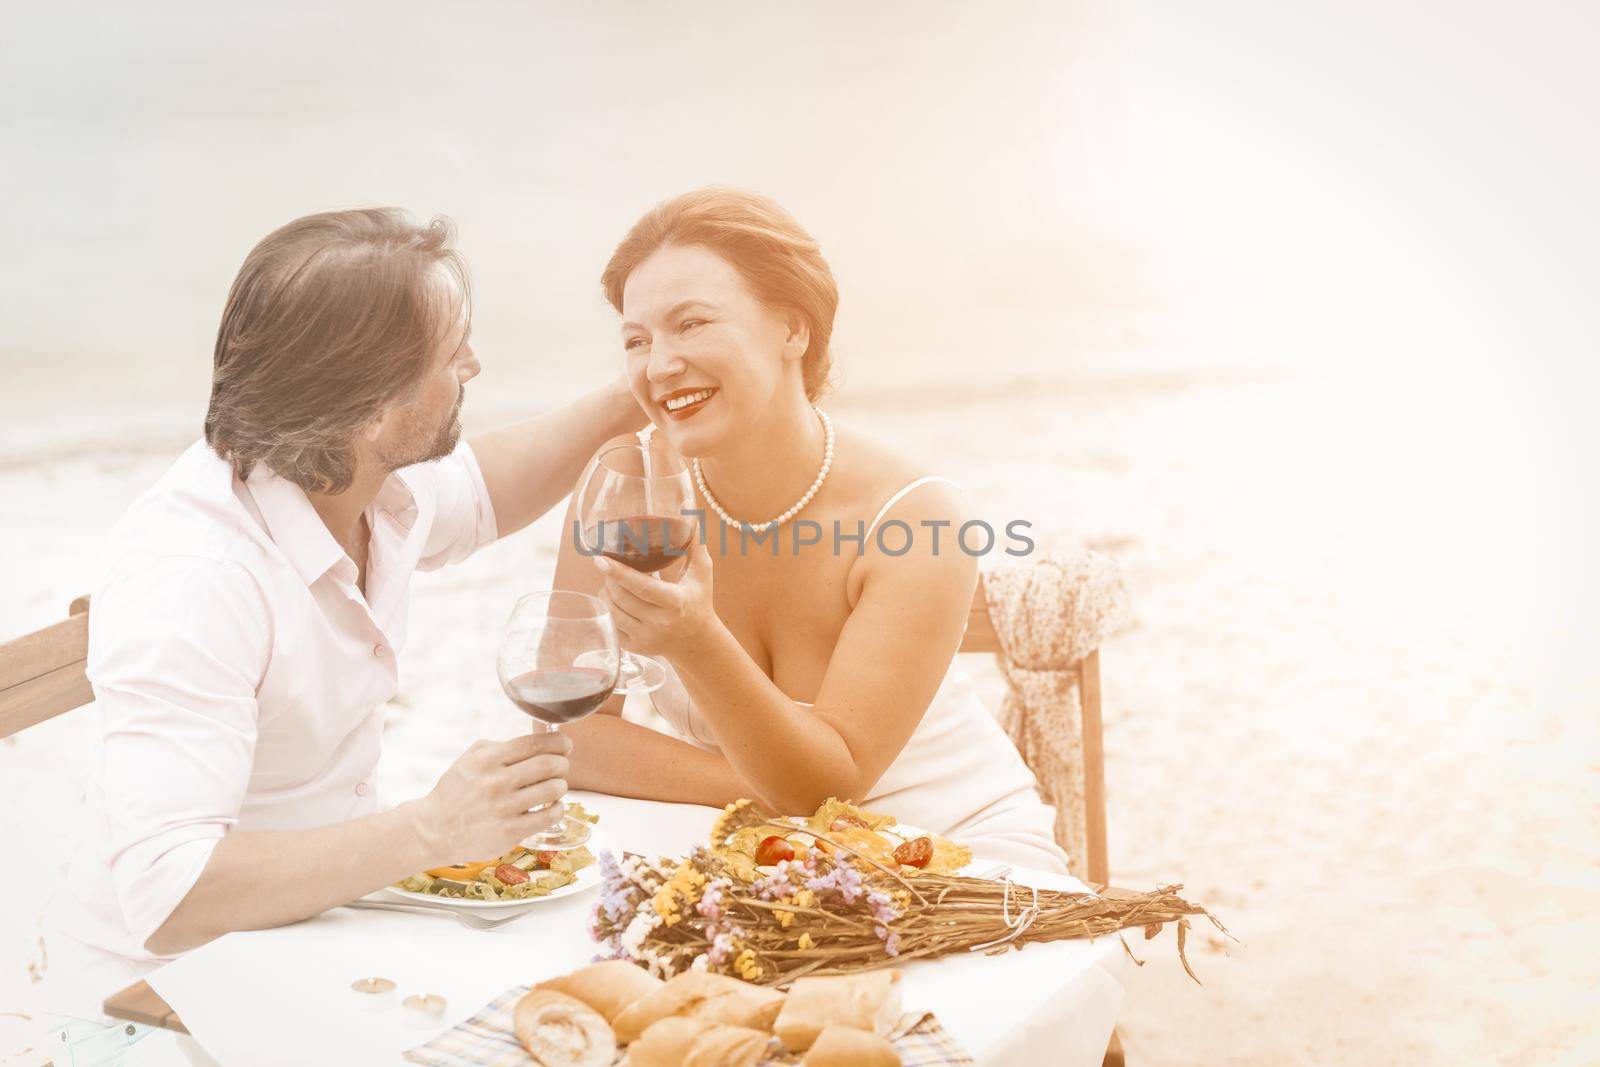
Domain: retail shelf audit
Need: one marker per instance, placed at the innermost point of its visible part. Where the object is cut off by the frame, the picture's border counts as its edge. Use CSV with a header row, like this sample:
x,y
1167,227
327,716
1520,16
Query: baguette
x,y
684,1041
607,987
714,997
868,1001
845,1046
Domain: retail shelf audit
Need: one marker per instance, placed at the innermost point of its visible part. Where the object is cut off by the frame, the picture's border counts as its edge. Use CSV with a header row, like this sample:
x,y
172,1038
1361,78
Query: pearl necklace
x,y
763,527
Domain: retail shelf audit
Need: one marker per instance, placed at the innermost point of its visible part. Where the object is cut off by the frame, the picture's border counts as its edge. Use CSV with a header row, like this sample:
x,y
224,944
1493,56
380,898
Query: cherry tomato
x,y
773,849
544,856
914,853
844,821
510,875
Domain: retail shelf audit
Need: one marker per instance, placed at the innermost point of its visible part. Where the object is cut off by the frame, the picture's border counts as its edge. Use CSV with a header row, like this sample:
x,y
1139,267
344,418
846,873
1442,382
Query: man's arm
x,y
529,466
177,648
479,810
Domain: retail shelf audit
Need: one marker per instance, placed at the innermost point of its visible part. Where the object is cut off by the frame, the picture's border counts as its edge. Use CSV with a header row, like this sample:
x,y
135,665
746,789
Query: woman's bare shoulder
x,y
876,470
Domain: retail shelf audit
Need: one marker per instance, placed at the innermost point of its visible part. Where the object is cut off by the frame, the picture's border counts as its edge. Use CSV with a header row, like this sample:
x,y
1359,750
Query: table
x,y
1051,1005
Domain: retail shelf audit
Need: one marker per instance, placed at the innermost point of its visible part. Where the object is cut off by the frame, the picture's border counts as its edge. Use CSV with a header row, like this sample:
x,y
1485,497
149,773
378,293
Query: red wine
x,y
644,542
561,694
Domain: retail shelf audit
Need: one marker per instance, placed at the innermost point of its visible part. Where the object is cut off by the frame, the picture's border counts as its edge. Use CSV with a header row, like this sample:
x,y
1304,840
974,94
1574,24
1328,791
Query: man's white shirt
x,y
240,676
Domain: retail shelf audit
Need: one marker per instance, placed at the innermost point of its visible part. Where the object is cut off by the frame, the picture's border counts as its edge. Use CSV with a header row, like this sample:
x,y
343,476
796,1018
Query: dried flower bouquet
x,y
836,910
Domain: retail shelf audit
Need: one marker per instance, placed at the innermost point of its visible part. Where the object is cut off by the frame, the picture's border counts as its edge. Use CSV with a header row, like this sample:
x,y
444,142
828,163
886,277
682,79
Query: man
x,y
245,641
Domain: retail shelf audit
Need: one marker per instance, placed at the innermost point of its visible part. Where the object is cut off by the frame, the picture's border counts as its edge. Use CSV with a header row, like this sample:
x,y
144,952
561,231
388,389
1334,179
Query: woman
x,y
817,670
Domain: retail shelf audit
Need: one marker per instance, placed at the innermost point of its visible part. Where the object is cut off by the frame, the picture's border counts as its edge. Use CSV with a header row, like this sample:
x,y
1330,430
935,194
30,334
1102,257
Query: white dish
x,y
587,879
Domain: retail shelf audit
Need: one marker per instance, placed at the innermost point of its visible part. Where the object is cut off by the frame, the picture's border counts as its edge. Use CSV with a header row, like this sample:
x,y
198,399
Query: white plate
x,y
587,879
908,832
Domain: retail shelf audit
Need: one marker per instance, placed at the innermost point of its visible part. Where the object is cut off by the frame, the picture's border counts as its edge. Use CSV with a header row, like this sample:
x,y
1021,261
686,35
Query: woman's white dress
x,y
959,775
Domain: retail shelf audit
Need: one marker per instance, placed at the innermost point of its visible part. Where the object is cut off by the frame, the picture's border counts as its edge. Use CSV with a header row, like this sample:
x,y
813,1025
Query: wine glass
x,y
635,509
546,637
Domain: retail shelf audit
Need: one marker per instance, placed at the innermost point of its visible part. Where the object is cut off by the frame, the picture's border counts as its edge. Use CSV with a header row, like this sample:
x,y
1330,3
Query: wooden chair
x,y
980,638
42,673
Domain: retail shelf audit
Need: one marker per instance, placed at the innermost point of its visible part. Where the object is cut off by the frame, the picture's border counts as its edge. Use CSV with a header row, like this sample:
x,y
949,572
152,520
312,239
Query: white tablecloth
x,y
283,996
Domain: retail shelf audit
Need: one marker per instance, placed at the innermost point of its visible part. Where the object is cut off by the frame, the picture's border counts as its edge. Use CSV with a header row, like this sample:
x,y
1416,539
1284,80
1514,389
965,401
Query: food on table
x,y
858,840
914,853
607,987
754,1006
520,874
713,997
866,1001
563,1031
836,814
706,1020
845,1046
837,827
686,1042
460,872
773,849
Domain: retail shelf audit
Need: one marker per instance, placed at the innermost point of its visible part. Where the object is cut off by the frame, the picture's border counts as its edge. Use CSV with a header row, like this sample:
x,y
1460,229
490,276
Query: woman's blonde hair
x,y
332,320
780,262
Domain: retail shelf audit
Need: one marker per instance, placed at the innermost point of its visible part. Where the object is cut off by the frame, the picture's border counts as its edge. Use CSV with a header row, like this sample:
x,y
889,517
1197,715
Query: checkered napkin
x,y
486,1040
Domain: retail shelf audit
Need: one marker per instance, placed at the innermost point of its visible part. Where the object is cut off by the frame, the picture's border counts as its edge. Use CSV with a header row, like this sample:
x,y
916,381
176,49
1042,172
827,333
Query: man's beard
x,y
441,444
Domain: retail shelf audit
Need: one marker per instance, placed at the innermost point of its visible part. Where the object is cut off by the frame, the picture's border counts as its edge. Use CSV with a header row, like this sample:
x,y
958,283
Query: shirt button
x,y
379,650
361,789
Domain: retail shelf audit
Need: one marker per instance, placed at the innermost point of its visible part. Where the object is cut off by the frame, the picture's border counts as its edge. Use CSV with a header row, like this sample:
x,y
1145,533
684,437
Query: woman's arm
x,y
612,755
891,657
528,466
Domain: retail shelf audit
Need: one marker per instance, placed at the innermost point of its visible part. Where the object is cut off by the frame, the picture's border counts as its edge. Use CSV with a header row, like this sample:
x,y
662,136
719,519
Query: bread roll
x,y
868,1001
607,987
715,997
845,1046
684,1041
562,1031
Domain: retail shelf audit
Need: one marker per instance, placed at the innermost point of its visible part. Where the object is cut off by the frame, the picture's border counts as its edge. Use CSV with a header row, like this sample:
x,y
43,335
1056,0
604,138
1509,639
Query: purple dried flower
x,y
843,879
710,904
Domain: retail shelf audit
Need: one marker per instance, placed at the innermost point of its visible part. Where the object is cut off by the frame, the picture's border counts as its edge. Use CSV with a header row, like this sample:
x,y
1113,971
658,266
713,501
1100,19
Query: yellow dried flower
x,y
805,898
785,918
685,884
745,964
806,942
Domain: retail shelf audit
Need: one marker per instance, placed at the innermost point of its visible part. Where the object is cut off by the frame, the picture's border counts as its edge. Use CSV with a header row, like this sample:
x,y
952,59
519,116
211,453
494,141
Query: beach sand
x,y
1322,717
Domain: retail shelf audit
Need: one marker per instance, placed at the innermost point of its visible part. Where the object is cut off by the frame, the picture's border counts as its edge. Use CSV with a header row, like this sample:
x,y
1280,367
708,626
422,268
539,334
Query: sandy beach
x,y
1369,789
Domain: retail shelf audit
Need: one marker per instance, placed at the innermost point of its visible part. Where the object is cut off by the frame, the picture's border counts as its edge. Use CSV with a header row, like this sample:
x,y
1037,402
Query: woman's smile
x,y
686,403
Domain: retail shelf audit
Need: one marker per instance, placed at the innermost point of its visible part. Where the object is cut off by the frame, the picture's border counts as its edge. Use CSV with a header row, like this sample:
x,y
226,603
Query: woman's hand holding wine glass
x,y
636,507
661,618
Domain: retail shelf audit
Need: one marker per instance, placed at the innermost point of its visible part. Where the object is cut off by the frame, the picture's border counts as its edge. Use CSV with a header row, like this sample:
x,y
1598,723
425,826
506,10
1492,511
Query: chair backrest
x,y
981,637
42,673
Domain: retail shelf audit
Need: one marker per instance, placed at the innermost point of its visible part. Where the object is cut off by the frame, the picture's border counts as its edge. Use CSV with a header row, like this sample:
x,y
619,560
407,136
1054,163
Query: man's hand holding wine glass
x,y
494,795
661,617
